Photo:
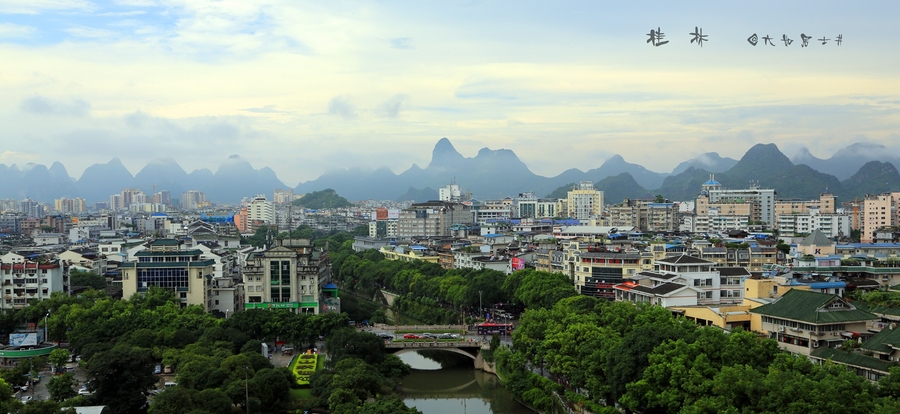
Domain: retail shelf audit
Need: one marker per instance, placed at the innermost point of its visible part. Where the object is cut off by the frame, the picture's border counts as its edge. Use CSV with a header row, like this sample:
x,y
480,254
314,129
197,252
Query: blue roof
x,y
712,182
418,247
827,285
329,286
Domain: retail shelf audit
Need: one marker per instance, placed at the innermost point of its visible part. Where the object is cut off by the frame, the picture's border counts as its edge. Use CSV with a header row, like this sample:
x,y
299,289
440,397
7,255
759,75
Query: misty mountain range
x,y
859,169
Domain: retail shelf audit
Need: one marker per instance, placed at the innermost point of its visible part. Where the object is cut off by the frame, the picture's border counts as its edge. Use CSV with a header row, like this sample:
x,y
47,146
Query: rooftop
x,y
813,307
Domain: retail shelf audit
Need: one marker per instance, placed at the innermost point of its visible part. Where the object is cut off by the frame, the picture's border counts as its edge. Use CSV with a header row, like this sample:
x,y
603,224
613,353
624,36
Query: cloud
x,y
341,107
122,14
391,107
268,109
401,43
137,3
44,106
9,30
40,6
12,156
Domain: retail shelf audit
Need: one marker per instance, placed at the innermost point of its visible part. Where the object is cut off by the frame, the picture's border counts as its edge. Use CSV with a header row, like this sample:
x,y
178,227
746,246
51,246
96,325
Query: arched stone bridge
x,y
466,348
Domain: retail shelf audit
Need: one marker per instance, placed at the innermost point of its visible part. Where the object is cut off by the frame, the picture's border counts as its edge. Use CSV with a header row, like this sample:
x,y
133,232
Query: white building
x,y
261,210
25,280
831,225
584,201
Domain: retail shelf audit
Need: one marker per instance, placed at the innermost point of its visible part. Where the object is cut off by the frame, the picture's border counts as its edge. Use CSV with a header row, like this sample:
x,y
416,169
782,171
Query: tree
x,y
62,387
660,198
173,400
89,279
121,377
58,358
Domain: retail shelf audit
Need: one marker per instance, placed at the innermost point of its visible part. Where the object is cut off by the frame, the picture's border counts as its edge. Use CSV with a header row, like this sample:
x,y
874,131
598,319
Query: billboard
x,y
381,213
26,338
518,263
393,214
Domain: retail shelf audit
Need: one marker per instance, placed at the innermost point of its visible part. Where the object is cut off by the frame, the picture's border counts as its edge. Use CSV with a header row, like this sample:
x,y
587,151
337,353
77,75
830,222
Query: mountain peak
x,y
444,153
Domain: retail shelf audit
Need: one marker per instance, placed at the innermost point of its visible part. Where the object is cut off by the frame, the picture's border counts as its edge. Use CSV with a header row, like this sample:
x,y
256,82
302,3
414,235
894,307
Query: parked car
x,y
447,336
411,336
26,399
429,335
385,335
158,369
84,391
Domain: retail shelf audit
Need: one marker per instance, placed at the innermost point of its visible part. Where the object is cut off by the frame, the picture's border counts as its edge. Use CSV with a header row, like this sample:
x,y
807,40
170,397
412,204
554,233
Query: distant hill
x,y
491,174
419,196
710,161
847,161
874,177
561,191
615,189
685,185
326,198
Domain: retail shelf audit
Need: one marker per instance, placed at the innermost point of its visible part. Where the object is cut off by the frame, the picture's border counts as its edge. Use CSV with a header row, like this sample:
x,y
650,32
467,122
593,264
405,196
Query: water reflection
x,y
456,389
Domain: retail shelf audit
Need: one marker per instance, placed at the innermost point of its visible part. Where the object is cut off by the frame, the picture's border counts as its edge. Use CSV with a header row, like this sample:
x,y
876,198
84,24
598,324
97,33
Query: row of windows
x,y
168,278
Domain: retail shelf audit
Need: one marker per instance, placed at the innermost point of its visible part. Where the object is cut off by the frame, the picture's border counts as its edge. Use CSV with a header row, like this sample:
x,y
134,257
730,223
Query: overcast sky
x,y
304,87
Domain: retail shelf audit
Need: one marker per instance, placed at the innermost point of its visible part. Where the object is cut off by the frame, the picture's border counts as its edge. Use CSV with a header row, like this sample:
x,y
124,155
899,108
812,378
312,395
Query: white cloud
x,y
10,30
40,6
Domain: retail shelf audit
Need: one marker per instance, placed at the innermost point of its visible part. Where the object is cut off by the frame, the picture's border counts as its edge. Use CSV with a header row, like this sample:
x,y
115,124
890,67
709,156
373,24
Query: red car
x,y
410,336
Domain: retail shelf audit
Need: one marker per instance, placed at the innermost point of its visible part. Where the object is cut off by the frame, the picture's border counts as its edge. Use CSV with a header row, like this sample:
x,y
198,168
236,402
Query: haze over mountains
x,y
852,172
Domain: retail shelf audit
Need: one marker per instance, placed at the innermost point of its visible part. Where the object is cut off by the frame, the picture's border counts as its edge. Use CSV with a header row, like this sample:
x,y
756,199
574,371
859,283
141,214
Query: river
x,y
454,390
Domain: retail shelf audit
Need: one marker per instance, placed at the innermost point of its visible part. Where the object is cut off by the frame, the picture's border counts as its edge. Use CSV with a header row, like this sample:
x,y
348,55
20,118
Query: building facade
x,y
164,265
287,276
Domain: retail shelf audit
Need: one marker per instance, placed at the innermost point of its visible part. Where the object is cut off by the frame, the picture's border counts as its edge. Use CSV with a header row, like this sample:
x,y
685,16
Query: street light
x,y
226,313
46,338
480,307
246,389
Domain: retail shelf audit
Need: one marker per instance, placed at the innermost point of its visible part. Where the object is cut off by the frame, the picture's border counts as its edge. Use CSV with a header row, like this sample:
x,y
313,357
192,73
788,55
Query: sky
x,y
308,87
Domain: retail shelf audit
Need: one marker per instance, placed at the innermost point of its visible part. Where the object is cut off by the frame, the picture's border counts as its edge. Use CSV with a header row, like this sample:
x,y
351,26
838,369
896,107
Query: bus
x,y
494,328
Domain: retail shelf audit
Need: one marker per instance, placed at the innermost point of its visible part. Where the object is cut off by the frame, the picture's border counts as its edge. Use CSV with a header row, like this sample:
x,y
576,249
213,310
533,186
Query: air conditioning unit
x,y
815,344
780,329
795,329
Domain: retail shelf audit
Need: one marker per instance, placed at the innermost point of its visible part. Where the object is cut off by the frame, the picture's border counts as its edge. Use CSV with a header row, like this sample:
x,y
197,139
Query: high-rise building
x,y
761,201
162,197
584,201
879,211
69,205
132,196
432,218
192,200
283,196
261,210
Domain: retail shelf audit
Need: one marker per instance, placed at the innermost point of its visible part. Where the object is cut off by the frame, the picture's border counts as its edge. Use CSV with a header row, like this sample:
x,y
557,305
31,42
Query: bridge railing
x,y
432,344
421,328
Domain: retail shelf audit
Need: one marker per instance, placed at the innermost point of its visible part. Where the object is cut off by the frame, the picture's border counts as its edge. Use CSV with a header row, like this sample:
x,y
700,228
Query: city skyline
x,y
304,89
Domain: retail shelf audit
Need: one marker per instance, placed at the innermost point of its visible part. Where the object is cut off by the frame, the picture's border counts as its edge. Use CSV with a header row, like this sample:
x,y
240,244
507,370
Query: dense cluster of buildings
x,y
729,258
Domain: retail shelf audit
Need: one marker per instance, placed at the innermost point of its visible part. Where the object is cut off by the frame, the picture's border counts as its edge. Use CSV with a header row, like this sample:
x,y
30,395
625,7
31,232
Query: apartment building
x,y
584,202
24,280
432,218
879,211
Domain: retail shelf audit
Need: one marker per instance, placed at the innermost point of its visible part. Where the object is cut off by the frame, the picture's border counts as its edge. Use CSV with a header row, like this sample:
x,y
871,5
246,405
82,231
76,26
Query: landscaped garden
x,y
305,365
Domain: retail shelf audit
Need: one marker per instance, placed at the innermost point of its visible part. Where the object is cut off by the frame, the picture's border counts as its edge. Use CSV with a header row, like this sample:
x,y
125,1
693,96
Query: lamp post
x,y
246,389
226,313
46,338
480,307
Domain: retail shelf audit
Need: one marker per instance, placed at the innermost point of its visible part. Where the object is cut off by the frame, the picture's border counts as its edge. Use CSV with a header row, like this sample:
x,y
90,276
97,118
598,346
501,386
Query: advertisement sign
x,y
518,263
393,214
26,338
381,213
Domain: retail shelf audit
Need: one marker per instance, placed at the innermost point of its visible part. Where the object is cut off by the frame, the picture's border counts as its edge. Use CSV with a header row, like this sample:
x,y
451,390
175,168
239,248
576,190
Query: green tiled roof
x,y
883,340
852,358
192,252
878,310
177,265
806,306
